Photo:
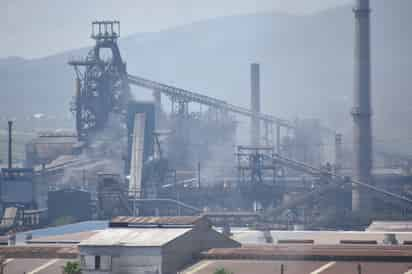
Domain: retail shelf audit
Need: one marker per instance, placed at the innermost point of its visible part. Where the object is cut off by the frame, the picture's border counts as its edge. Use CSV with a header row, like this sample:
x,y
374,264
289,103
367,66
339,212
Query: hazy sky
x,y
35,28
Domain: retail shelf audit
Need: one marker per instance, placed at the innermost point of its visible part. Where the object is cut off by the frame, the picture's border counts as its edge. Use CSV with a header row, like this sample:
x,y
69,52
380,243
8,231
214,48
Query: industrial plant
x,y
176,186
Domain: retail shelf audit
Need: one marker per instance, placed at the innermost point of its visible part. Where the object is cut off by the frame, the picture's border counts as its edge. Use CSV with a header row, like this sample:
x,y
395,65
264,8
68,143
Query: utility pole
x,y
10,165
198,174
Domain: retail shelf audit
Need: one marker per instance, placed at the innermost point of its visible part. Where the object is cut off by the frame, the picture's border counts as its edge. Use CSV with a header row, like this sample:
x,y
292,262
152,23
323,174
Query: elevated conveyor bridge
x,y
189,96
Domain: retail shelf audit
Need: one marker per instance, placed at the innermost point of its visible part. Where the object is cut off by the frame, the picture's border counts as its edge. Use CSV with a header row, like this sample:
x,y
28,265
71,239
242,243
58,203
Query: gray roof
x,y
135,237
68,238
43,266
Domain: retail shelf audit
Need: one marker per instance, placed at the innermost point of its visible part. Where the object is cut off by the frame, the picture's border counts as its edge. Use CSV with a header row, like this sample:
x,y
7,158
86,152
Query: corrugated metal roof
x,y
135,237
244,266
181,220
299,252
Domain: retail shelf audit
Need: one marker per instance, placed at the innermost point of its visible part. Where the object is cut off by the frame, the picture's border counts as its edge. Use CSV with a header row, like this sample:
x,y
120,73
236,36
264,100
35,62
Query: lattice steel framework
x,y
102,84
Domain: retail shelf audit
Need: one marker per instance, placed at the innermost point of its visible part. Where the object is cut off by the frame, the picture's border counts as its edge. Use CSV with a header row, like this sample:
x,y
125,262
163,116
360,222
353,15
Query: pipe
x,y
10,145
255,105
361,111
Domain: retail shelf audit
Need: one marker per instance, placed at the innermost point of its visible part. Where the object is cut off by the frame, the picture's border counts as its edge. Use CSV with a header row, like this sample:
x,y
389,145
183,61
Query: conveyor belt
x,y
189,96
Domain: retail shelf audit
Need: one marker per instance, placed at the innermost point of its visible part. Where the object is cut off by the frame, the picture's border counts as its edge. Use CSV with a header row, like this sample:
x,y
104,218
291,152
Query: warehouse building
x,y
69,203
162,245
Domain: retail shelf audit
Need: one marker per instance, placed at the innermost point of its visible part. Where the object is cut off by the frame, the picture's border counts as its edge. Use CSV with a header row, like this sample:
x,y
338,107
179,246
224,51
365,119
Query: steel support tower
x,y
102,85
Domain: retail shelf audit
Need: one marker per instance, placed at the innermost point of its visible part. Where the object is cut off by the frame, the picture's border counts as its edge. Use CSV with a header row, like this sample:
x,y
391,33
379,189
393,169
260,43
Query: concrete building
x,y
149,245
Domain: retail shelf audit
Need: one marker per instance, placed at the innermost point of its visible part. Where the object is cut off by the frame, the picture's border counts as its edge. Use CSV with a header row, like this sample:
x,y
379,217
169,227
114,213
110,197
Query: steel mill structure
x,y
171,170
139,158
101,85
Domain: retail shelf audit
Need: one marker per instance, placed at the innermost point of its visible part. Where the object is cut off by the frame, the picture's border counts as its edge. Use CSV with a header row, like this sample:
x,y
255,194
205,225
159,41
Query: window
x,y
97,262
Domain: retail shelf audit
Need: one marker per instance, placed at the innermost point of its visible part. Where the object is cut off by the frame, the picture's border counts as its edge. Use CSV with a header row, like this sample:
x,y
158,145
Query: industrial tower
x,y
101,85
361,111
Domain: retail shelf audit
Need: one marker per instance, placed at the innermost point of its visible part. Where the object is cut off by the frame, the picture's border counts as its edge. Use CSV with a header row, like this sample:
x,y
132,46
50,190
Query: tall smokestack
x,y
255,104
10,145
362,106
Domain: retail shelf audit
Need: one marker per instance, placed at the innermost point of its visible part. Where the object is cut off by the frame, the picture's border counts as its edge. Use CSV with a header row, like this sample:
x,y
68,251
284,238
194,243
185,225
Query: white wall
x,y
122,260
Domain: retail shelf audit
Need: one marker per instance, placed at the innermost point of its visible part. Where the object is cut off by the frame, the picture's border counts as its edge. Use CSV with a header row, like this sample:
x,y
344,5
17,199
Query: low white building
x,y
149,245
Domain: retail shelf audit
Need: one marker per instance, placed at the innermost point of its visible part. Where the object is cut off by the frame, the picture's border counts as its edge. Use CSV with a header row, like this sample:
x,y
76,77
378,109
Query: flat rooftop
x,y
343,252
135,237
298,267
39,252
246,236
34,266
307,259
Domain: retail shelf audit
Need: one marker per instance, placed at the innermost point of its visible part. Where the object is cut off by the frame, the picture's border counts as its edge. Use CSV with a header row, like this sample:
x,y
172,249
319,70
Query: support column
x,y
267,134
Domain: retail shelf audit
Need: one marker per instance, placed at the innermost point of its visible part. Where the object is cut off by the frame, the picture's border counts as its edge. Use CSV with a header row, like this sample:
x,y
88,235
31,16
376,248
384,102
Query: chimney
x,y
361,111
255,105
10,145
